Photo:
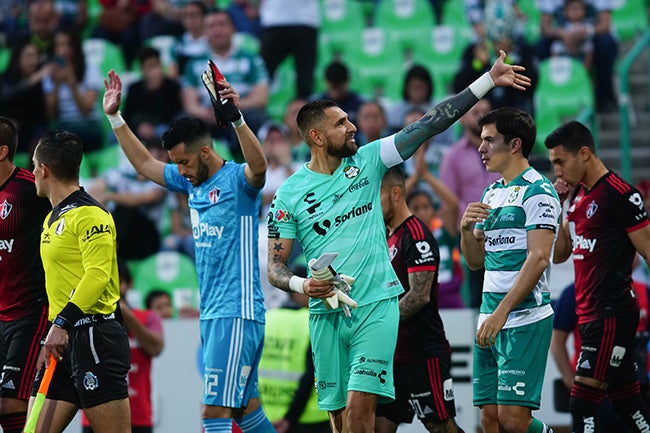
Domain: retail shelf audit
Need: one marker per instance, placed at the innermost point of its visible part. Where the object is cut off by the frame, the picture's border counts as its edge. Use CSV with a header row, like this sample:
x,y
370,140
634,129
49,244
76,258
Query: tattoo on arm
x,y
418,296
434,121
278,272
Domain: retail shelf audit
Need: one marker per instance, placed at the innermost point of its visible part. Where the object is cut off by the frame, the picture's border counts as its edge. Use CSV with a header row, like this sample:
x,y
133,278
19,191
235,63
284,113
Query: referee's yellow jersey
x,y
78,250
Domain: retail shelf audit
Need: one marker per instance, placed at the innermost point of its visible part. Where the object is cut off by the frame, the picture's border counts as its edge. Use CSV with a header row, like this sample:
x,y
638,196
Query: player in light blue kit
x,y
332,205
224,201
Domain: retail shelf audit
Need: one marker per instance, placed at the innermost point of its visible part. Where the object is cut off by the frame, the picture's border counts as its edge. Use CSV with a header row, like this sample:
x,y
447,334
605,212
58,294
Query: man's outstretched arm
x,y
138,155
446,112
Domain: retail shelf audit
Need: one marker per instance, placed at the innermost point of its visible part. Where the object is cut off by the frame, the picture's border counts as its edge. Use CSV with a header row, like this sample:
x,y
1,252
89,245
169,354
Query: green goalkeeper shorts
x,y
354,354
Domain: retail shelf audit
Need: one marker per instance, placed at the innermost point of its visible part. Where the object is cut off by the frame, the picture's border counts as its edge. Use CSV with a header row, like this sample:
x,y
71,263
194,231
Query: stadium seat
x,y
5,55
170,271
376,65
341,21
247,41
404,20
453,14
441,52
102,56
165,45
531,27
283,89
630,18
563,92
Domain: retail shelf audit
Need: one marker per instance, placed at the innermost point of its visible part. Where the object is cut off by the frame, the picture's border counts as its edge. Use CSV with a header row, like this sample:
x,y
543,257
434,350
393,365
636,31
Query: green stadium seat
x,y
283,89
453,14
5,55
102,56
376,65
404,20
563,92
531,27
441,51
165,45
170,271
247,41
630,18
341,20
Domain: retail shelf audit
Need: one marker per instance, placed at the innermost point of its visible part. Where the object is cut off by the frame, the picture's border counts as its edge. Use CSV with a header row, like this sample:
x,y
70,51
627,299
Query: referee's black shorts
x,y
94,366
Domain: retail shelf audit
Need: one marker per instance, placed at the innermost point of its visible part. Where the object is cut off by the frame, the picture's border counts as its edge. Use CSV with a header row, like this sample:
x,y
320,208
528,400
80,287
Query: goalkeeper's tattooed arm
x,y
445,113
278,272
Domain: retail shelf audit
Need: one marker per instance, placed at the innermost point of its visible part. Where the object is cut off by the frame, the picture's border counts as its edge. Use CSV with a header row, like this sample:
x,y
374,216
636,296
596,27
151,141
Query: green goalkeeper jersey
x,y
342,213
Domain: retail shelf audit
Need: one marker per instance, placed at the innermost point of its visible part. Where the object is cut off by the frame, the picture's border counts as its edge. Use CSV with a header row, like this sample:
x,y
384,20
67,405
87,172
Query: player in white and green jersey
x,y
332,204
511,232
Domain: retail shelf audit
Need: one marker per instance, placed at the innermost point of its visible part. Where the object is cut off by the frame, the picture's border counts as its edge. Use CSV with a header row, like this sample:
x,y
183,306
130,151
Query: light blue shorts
x,y
232,348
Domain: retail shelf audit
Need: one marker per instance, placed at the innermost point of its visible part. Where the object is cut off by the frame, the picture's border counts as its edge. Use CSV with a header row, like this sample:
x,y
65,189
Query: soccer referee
x,y
87,336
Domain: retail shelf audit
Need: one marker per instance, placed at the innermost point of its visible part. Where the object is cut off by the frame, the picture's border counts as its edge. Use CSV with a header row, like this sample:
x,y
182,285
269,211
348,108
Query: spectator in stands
x,y
146,340
417,92
245,71
153,102
22,98
164,18
274,139
137,205
290,27
371,122
443,222
477,15
71,98
180,237
42,23
74,14
599,28
193,42
575,20
160,301
463,172
501,34
246,16
337,89
300,153
119,22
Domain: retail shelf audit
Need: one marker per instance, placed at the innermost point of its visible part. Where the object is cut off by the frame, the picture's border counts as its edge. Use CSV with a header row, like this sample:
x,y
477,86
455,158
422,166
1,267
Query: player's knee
x,y
489,421
437,426
513,424
359,421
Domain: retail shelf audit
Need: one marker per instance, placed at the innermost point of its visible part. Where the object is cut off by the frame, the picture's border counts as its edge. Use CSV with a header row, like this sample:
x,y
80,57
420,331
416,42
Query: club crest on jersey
x,y
5,209
392,251
513,195
214,195
351,171
60,227
591,209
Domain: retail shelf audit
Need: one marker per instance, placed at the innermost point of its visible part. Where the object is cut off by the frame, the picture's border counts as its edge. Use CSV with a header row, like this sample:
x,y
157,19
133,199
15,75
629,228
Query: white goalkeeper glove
x,y
321,270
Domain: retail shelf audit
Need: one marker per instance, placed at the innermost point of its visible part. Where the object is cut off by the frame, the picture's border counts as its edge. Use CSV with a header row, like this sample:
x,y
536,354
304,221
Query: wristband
x,y
482,85
116,120
239,122
295,284
62,322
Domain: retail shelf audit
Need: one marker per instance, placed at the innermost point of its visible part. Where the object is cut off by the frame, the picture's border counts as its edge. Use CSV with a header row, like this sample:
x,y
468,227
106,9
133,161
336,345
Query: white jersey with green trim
x,y
528,202
342,213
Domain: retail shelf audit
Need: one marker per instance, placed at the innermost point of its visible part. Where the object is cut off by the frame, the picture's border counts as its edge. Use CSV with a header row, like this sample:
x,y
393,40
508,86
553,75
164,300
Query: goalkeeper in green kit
x,y
332,206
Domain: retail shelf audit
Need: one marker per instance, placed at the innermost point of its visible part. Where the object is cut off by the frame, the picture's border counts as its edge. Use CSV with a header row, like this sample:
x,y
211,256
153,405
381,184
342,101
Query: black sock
x,y
584,403
13,422
627,401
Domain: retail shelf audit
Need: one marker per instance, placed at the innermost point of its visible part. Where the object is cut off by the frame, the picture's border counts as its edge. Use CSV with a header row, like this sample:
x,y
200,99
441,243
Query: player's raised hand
x,y
113,93
504,75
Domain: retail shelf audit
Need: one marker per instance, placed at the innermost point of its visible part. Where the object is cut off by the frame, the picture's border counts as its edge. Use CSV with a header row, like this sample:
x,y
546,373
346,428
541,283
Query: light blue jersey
x,y
342,213
224,212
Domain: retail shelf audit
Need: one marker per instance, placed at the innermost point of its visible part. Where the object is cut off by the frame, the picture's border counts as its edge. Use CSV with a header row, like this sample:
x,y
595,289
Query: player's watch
x,y
62,322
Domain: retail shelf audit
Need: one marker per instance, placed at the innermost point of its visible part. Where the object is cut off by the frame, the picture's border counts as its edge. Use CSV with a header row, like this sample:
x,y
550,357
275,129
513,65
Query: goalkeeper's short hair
x,y
191,131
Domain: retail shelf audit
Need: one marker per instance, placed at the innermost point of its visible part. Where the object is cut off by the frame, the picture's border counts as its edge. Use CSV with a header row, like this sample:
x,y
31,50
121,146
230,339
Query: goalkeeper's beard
x,y
202,173
348,148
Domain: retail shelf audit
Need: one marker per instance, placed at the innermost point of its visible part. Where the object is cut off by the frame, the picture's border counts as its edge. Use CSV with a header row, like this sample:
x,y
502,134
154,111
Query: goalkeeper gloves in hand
x,y
342,287
225,110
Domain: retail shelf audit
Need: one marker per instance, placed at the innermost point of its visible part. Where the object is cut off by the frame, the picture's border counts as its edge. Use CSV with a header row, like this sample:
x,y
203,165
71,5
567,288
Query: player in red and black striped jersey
x,y
23,301
422,358
606,224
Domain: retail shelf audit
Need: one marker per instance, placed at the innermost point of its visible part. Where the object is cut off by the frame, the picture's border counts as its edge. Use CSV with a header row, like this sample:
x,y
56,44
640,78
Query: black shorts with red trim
x,y
19,349
422,388
607,351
